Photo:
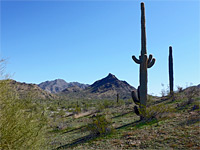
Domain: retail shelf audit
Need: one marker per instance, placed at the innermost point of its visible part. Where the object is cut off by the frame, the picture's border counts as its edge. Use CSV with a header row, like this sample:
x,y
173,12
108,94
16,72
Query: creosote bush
x,y
100,125
158,112
22,123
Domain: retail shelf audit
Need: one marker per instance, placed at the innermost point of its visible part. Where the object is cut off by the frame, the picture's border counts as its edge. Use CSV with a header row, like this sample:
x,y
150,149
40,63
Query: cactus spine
x,y
171,74
145,62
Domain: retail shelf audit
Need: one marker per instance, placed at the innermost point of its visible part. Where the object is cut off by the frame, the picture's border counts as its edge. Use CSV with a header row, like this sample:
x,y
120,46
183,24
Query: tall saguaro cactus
x,y
171,73
145,62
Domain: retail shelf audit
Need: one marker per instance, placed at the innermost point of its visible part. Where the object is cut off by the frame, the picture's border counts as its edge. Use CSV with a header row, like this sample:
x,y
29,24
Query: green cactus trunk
x,y
145,62
171,74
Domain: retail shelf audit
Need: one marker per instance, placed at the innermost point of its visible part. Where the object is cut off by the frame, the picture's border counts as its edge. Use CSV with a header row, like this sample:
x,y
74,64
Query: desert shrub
x,y
121,102
189,103
61,113
191,93
77,109
196,106
52,108
107,103
100,125
100,107
164,91
158,112
179,88
85,106
150,100
128,102
57,124
22,123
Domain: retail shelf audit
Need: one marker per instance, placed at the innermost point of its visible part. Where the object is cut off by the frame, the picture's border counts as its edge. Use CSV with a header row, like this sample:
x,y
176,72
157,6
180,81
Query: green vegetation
x,y
100,125
117,127
22,122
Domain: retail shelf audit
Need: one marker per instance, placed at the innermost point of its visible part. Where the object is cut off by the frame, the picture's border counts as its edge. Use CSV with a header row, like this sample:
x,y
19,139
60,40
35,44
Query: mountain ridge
x,y
58,85
105,88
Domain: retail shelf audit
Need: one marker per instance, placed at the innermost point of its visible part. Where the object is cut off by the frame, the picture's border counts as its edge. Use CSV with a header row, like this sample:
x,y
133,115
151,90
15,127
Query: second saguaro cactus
x,y
145,62
171,73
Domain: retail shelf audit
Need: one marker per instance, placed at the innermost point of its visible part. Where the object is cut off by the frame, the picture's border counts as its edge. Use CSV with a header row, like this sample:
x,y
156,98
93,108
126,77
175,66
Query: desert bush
x,y
107,103
164,91
100,125
77,109
128,102
150,100
100,107
179,88
158,112
85,106
22,123
196,106
121,102
191,93
61,113
52,108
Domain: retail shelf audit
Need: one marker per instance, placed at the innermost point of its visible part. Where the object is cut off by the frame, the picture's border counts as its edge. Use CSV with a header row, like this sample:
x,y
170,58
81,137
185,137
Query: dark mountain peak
x,y
108,79
111,85
110,75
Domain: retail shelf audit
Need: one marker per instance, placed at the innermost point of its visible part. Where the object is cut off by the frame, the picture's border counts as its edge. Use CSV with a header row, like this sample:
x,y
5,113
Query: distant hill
x,y
106,88
25,90
59,85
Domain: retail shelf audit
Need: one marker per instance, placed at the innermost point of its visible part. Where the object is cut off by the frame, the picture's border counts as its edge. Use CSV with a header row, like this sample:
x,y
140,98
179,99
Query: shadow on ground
x,y
122,114
91,137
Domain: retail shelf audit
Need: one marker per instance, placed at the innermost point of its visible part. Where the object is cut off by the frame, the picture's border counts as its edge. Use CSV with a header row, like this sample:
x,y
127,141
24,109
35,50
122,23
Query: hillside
x,y
106,88
171,124
25,90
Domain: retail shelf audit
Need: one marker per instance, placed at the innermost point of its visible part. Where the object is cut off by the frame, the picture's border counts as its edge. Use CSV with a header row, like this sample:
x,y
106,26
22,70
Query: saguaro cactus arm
x,y
138,92
151,61
150,58
135,97
138,61
136,110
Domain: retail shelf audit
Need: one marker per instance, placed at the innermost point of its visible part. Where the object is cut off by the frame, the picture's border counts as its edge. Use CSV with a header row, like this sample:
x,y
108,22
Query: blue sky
x,y
85,40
